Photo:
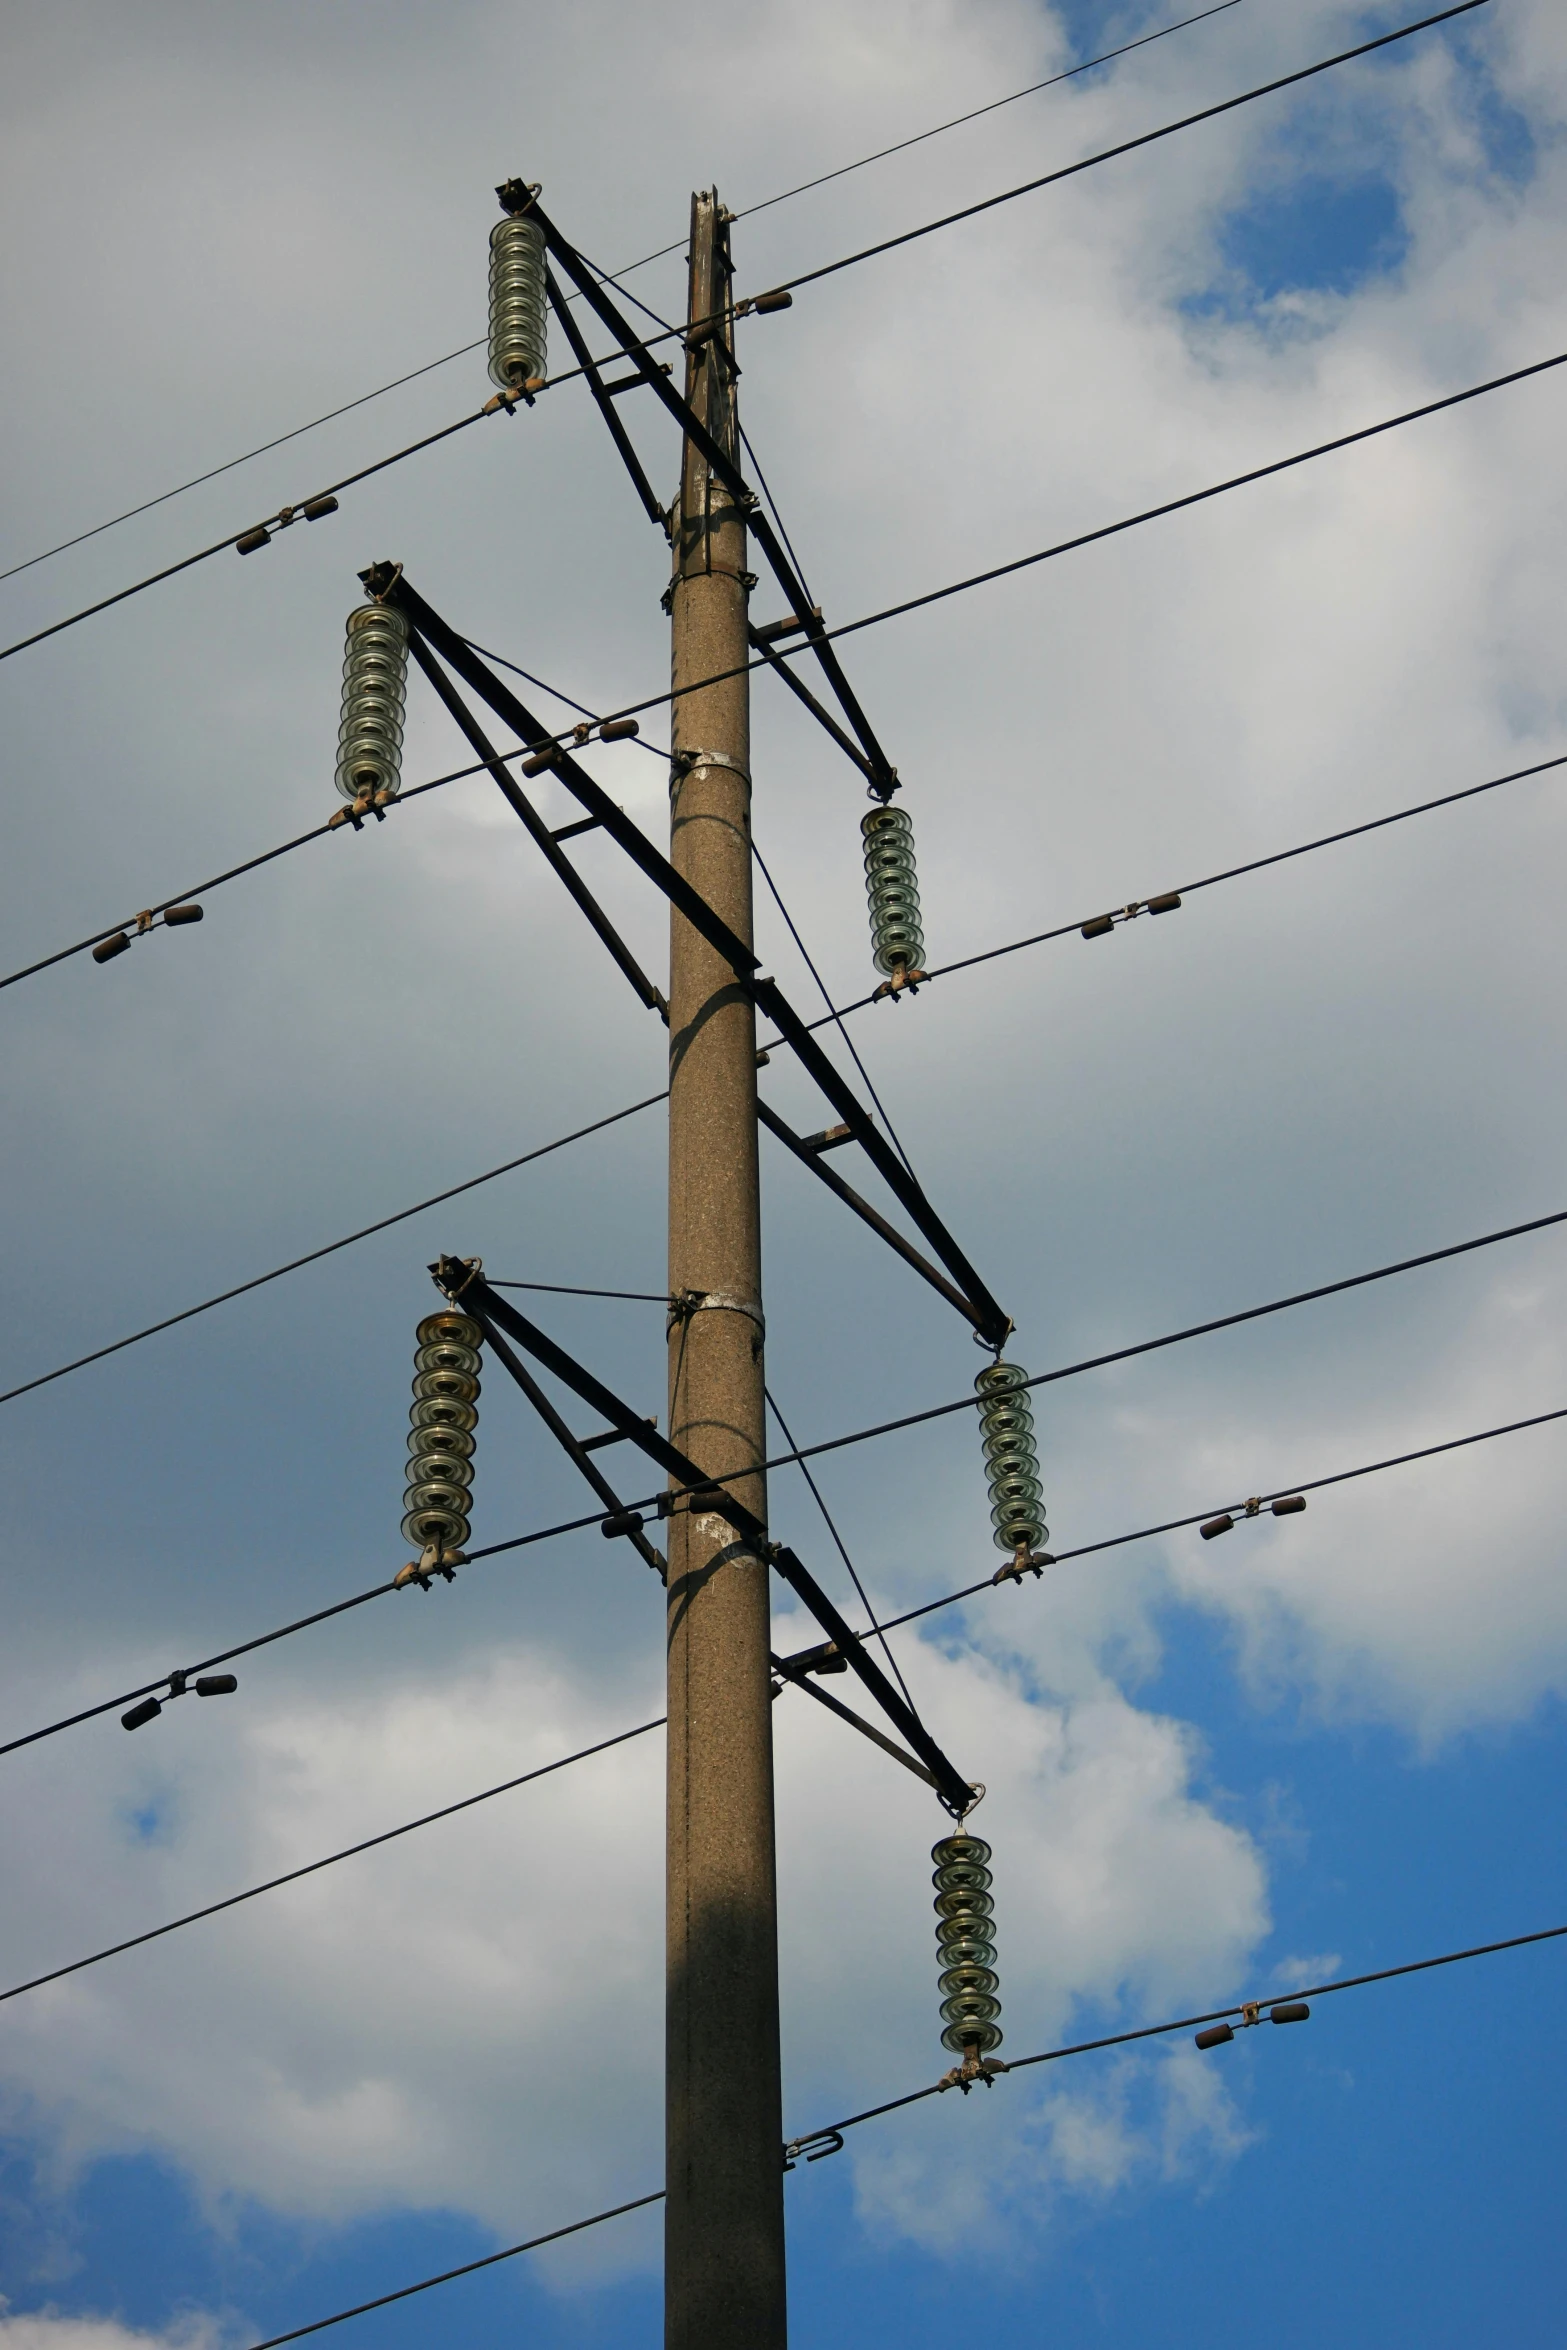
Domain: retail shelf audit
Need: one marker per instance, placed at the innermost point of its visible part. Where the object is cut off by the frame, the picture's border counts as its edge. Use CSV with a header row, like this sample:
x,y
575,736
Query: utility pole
x,y
724,2228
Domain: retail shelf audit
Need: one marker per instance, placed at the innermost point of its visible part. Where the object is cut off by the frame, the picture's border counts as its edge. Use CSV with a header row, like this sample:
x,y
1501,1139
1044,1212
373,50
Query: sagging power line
x,y
322,502
463,351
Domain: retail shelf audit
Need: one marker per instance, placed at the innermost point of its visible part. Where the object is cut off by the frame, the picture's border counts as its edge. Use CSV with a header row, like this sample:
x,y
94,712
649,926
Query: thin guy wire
x,y
1416,1966
838,1541
832,1011
464,349
228,466
555,693
968,962
330,1860
808,277
801,1454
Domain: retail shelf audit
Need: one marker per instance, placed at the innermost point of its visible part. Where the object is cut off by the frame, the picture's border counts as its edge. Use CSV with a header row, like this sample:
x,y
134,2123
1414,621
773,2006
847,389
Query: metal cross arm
x,y
883,775
539,831
467,1289
989,1319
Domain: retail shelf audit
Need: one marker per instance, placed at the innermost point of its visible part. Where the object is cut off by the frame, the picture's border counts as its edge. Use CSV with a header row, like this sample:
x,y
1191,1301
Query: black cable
x,y
828,269
842,1550
202,889
228,466
349,1852
500,661
467,2269
186,562
464,349
1166,130
1084,1550
1416,1966
1108,530
798,1455
965,963
314,1256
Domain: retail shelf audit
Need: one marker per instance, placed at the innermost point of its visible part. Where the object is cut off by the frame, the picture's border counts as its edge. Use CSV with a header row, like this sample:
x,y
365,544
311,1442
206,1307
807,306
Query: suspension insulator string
x,y
1017,1505
518,314
897,940
966,1955
370,737
440,1445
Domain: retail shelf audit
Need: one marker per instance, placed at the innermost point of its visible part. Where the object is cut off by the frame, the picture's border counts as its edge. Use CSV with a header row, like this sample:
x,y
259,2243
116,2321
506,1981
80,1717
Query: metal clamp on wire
x,y
1124,914
368,803
1283,2011
1023,1561
432,1560
688,1302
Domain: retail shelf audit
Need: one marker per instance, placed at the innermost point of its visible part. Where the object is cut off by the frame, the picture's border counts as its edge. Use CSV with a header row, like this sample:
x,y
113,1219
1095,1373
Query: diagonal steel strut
x,y
467,1289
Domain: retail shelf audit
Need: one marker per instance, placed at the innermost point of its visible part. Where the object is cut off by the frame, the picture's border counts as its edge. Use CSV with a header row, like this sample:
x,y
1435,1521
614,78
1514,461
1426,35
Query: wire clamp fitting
x,y
902,978
368,803
825,2142
1024,1561
1103,924
1288,1505
974,2069
432,1560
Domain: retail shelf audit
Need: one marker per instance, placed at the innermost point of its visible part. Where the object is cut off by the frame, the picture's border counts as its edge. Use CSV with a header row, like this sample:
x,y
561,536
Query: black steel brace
x,y
990,1321
875,763
467,1288
547,841
605,396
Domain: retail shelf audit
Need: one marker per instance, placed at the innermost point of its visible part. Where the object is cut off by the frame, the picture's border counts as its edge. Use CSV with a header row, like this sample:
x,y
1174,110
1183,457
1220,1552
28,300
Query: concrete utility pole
x,y
724,2232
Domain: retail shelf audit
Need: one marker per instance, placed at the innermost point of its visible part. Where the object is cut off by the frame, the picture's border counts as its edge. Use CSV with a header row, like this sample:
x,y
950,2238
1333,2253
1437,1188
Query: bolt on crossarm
x,y
724,2227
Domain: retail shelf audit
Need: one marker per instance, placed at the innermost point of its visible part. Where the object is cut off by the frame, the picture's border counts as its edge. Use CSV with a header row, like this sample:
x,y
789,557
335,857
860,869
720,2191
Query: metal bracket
x,y
718,1301
684,763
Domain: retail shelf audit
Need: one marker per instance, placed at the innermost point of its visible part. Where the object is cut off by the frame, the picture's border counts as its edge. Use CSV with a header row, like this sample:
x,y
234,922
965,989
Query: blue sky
x,y
1319,1746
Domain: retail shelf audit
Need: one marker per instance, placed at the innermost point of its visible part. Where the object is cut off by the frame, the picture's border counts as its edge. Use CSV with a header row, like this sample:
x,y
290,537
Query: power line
x,y
810,277
800,1455
330,1860
464,349
1166,130
331,1247
965,963
796,2146
202,889
643,1297
879,1629
1416,1966
448,2275
1397,1460
1108,530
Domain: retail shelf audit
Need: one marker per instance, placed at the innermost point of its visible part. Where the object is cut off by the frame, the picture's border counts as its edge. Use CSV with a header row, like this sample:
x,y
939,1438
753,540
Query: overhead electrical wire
x,y
800,1454
766,204
811,277
310,1868
650,1101
330,1248
1184,2023
833,2130
876,1629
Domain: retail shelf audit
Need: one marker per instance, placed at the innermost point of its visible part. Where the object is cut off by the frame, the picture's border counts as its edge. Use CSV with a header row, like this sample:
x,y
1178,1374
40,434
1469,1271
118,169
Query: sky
x,y
1324,1744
